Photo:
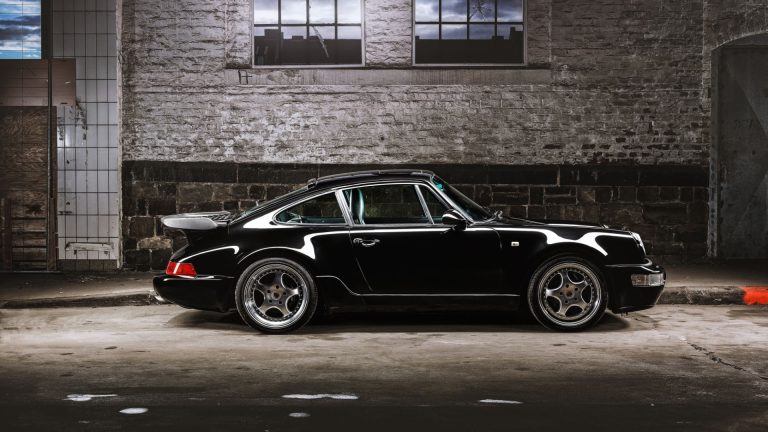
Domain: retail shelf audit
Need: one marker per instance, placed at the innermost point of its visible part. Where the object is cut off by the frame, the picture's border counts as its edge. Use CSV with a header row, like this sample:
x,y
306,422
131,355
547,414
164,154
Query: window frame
x,y
483,65
308,66
342,208
415,185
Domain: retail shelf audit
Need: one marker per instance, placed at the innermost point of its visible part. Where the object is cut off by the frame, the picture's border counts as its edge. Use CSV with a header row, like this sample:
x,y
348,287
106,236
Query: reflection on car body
x,y
401,236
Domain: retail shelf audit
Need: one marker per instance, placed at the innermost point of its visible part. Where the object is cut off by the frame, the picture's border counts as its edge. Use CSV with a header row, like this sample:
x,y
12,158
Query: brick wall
x,y
615,87
666,205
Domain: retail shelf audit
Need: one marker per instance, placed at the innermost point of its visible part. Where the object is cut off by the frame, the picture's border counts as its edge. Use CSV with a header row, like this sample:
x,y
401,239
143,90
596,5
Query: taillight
x,y
180,269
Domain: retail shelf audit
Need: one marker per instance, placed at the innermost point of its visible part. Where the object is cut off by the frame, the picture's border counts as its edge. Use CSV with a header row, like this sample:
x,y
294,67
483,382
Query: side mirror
x,y
455,220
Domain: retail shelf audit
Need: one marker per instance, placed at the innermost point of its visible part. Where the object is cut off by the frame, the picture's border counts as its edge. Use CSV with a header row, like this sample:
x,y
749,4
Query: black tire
x,y
250,298
545,293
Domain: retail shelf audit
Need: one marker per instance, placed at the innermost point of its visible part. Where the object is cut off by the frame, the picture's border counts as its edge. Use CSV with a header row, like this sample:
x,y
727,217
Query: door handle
x,y
365,242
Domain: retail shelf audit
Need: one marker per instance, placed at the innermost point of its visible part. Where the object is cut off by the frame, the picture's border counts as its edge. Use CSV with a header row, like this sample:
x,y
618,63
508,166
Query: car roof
x,y
356,176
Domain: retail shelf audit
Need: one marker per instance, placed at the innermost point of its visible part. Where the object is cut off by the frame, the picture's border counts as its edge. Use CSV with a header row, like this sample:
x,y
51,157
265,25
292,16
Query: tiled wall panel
x,y
87,133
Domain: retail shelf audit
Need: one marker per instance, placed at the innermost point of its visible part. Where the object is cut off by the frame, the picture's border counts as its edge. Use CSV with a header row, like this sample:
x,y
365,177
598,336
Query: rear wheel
x,y
276,295
567,293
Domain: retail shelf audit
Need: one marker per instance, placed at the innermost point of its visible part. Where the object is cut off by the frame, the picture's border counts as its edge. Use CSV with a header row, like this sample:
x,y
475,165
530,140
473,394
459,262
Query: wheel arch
x,y
561,249
275,252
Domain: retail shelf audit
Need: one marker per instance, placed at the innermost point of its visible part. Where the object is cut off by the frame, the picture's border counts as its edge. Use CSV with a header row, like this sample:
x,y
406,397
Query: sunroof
x,y
20,33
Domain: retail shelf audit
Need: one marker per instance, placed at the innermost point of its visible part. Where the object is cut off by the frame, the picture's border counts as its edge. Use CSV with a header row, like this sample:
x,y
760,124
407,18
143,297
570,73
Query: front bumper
x,y
626,297
214,293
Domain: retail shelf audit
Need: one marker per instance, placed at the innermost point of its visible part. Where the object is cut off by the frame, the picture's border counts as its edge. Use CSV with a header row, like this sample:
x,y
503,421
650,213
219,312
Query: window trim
x,y
396,183
296,203
469,65
311,66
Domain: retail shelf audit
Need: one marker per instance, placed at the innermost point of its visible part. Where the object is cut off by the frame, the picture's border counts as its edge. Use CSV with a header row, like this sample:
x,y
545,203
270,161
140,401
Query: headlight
x,y
639,241
648,280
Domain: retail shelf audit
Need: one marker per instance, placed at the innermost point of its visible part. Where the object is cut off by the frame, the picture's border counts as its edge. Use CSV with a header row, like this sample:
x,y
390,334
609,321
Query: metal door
x,y
743,152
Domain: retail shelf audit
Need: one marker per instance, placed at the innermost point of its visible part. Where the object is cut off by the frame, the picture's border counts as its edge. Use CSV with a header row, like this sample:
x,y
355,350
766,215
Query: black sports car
x,y
401,236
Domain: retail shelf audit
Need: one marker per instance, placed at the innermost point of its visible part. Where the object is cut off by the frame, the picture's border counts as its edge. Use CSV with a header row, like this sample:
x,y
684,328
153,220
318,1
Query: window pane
x,y
427,10
321,11
321,210
436,208
512,33
424,31
481,31
510,10
265,11
482,10
20,34
294,11
455,10
454,31
488,40
349,11
394,204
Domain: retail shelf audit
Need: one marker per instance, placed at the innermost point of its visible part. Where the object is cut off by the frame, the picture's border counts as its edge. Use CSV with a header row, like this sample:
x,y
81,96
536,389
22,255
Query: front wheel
x,y
567,293
276,295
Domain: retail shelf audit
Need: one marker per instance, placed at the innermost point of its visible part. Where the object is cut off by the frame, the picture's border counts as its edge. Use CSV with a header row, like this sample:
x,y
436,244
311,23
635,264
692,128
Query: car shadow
x,y
385,321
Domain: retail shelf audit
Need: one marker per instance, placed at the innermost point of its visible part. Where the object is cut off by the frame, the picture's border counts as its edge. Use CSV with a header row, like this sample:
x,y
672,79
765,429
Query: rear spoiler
x,y
197,221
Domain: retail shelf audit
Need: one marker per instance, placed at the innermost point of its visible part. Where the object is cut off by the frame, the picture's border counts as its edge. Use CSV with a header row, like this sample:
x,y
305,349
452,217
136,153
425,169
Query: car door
x,y
403,248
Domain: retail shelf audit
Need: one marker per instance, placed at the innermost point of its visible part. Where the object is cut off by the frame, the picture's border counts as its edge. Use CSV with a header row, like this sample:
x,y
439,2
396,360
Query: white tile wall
x,y
87,137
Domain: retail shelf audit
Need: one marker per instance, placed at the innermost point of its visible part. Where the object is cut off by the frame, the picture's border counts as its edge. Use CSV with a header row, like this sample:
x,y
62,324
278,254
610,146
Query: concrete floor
x,y
679,368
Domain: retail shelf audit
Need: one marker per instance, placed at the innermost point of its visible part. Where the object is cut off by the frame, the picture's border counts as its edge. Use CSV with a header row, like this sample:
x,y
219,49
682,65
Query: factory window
x,y
307,32
20,33
460,32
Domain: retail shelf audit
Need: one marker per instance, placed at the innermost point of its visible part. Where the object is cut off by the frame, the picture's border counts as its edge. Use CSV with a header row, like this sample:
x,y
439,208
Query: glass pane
x,y
481,31
20,32
395,204
260,31
349,32
482,10
427,10
321,44
265,11
322,32
454,31
511,32
321,11
434,205
424,31
294,11
321,210
455,10
510,10
294,32
349,12
266,43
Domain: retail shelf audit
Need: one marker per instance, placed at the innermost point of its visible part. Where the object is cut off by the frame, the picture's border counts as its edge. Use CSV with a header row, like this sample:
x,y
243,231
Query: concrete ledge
x,y
144,298
378,77
711,295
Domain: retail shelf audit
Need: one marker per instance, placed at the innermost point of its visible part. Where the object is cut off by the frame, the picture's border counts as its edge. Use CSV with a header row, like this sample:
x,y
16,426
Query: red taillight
x,y
180,269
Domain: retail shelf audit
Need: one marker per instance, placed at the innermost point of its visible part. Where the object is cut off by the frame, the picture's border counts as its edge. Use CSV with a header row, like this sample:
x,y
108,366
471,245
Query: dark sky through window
x,y
20,33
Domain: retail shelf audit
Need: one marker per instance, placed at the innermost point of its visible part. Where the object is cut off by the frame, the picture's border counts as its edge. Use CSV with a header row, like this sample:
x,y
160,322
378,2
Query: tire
x,y
567,293
276,295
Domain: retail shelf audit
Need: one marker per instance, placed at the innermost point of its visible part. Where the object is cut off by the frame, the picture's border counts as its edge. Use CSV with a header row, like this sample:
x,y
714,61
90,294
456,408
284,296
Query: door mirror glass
x,y
454,219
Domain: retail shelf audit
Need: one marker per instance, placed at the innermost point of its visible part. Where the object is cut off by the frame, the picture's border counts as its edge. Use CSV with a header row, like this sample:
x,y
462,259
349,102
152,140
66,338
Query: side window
x,y
387,204
436,207
321,210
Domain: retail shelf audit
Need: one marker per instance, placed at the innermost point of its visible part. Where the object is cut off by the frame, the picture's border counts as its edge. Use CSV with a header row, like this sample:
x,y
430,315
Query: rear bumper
x,y
625,297
214,293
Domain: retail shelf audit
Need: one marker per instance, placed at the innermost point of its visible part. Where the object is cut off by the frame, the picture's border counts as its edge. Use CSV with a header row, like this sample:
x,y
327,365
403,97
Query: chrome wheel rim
x,y
569,294
276,296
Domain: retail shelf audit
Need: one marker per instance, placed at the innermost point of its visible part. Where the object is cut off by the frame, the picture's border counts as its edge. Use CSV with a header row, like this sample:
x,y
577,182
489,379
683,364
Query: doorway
x,y
741,152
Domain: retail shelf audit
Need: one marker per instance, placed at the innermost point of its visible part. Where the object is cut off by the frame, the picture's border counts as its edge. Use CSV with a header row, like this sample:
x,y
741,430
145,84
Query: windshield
x,y
471,208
